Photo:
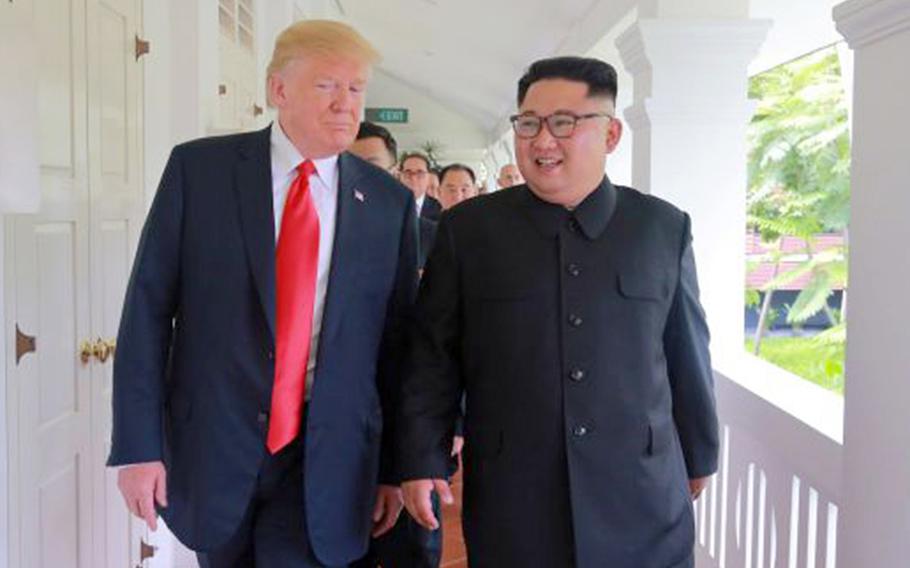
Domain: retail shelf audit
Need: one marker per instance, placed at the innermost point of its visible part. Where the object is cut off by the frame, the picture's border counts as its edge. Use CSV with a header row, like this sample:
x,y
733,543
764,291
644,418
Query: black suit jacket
x,y
431,209
427,232
194,368
581,346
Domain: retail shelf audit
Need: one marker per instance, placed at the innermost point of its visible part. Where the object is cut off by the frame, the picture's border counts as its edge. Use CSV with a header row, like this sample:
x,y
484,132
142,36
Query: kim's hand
x,y
142,485
696,486
417,499
457,445
388,506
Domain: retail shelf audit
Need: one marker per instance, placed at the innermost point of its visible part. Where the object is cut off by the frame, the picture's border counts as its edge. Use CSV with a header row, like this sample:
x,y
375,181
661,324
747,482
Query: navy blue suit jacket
x,y
194,369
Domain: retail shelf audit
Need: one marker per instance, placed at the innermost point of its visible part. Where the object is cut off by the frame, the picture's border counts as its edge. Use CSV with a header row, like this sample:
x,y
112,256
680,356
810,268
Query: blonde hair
x,y
321,37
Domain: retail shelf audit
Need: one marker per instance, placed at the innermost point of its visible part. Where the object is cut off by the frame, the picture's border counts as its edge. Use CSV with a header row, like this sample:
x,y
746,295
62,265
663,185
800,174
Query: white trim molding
x,y
862,22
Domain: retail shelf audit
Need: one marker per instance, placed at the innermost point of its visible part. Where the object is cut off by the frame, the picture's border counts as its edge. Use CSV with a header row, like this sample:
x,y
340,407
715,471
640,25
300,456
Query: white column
x,y
689,116
876,517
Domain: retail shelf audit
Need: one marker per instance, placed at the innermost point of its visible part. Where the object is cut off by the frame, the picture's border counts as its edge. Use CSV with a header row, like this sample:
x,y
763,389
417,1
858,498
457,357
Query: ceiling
x,y
455,64
466,55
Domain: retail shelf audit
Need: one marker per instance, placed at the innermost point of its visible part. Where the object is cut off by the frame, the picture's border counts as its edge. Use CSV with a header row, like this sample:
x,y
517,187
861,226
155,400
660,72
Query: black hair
x,y
417,155
371,130
456,168
599,75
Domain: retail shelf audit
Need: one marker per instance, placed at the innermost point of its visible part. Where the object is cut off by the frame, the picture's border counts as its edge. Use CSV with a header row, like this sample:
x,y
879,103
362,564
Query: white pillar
x,y
689,116
876,519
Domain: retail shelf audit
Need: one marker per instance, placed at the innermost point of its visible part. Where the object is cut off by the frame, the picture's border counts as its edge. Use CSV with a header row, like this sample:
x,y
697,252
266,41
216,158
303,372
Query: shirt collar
x,y
592,215
286,158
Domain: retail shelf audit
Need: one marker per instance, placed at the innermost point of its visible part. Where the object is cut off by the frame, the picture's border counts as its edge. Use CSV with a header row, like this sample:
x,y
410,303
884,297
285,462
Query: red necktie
x,y
297,258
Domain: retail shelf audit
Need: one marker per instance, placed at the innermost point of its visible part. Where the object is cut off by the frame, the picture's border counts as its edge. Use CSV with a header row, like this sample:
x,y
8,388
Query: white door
x,y
67,270
116,213
50,389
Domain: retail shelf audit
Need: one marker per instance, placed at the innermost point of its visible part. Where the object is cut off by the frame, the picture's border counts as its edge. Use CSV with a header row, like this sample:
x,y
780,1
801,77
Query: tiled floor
x,y
453,552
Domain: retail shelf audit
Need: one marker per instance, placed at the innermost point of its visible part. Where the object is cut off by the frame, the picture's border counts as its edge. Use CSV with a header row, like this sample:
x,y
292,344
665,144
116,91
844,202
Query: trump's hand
x,y
696,486
388,506
417,500
142,485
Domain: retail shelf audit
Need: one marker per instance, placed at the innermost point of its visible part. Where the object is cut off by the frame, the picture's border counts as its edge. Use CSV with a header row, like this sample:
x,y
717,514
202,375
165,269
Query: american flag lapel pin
x,y
358,195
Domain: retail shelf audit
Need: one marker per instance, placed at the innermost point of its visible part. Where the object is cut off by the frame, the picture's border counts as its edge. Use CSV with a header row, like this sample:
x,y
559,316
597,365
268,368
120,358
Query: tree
x,y
799,183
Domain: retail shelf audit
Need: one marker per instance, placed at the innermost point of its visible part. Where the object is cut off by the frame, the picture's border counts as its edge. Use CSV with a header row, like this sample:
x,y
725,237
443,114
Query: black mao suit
x,y
581,346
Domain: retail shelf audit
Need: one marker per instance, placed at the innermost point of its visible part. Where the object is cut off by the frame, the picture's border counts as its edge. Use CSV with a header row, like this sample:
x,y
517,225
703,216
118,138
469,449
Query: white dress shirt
x,y
324,193
419,202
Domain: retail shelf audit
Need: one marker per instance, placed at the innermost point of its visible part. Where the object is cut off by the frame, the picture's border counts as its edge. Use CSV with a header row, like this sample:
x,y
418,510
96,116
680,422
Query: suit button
x,y
577,375
573,225
575,321
580,431
271,355
262,417
573,269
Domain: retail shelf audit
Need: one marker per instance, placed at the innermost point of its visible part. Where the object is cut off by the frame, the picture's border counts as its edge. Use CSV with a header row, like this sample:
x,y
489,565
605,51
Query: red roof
x,y
793,250
793,245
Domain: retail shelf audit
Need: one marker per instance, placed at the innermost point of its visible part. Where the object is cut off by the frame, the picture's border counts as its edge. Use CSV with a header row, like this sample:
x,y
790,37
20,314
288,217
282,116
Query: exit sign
x,y
388,115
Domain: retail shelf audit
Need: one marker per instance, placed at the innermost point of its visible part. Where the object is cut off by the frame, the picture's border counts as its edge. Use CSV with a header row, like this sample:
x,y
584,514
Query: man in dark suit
x,y
457,183
567,311
261,332
415,174
376,145
407,544
509,176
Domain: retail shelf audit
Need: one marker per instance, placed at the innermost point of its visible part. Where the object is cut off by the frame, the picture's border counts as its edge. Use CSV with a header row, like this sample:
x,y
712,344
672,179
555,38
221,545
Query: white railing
x,y
774,501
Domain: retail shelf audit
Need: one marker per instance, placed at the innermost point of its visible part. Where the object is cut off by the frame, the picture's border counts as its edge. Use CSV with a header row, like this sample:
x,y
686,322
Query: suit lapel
x,y
253,184
353,204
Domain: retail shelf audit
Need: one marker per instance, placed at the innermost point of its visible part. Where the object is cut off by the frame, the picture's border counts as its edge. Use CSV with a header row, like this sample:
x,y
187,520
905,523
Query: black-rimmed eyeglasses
x,y
560,124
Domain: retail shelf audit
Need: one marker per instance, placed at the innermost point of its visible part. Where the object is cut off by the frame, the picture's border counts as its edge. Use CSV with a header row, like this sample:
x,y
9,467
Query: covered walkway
x,y
808,478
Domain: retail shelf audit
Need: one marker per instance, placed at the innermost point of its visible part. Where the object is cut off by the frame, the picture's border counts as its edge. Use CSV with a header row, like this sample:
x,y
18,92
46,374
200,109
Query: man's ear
x,y
614,134
275,90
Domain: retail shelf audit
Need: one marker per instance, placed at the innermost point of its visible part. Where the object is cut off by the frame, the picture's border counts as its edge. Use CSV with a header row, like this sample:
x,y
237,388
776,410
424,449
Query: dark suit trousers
x,y
406,545
273,532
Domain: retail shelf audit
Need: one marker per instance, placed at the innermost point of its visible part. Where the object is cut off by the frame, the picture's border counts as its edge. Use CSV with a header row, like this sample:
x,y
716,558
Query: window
x,y
798,210
237,23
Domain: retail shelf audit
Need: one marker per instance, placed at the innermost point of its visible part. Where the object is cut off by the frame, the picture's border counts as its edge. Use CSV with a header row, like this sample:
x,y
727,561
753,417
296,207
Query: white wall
x,y
19,193
6,350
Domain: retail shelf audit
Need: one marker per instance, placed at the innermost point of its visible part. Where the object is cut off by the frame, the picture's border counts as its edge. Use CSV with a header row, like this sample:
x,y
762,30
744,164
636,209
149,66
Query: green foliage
x,y
807,357
799,161
811,299
799,185
432,149
752,298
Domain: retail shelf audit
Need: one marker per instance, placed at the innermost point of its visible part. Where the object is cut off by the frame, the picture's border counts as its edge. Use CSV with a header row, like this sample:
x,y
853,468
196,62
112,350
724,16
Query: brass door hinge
x,y
142,47
25,344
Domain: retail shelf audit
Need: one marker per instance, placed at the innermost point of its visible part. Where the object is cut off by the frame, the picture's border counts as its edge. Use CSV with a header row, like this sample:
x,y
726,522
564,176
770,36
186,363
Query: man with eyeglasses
x,y
567,311
415,174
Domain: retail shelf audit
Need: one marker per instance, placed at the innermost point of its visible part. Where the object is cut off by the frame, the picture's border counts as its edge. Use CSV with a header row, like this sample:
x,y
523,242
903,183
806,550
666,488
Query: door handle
x,y
25,344
100,349
86,351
